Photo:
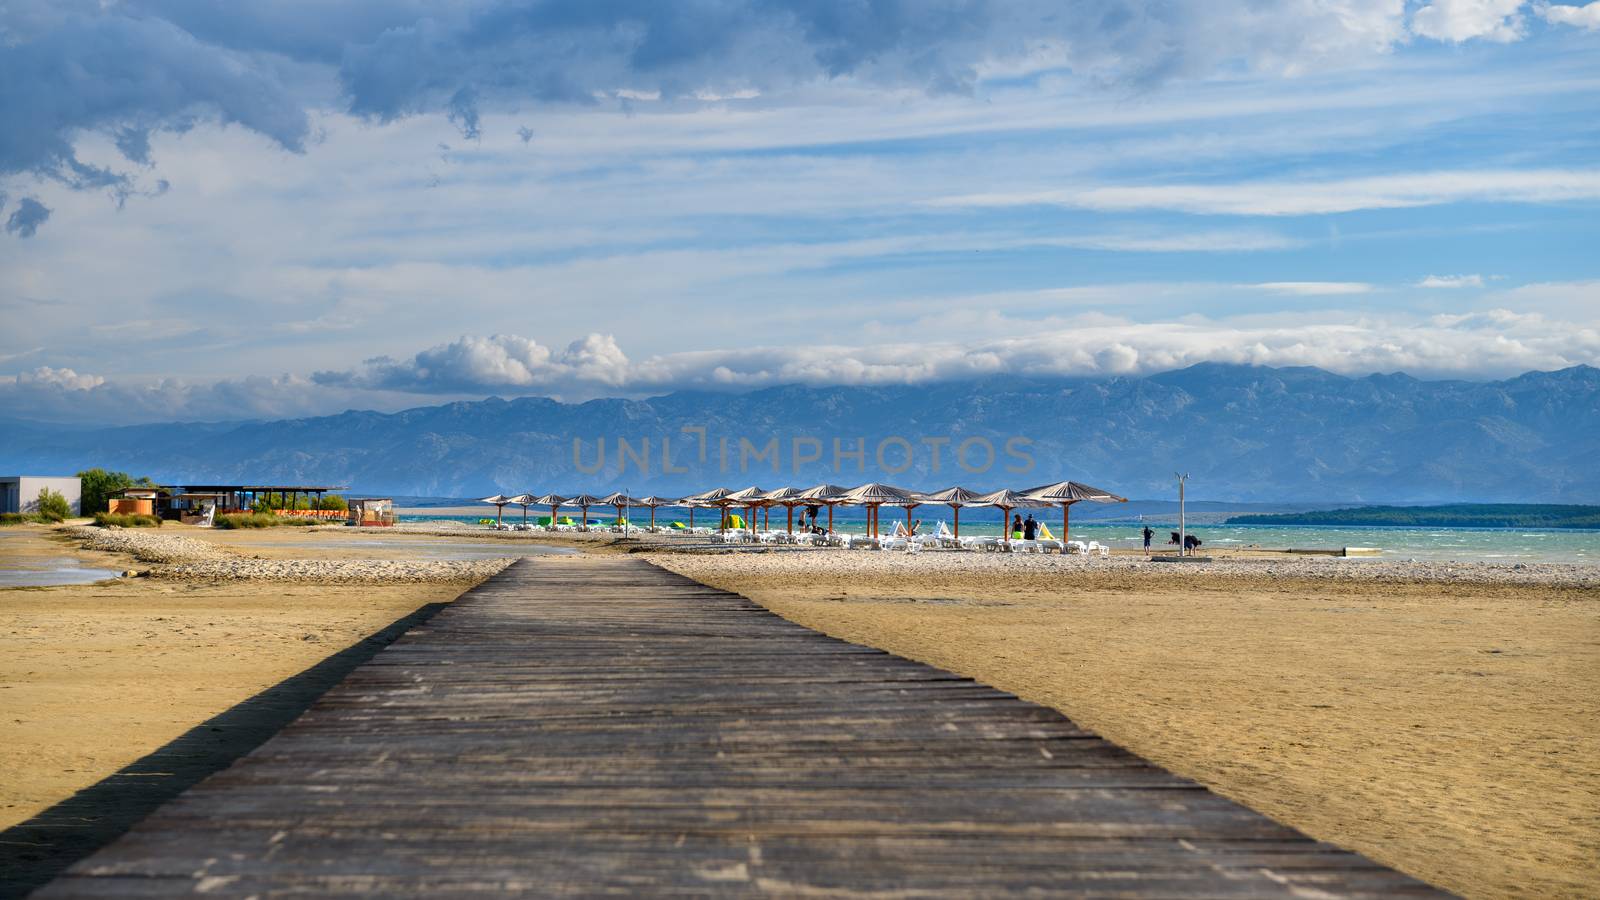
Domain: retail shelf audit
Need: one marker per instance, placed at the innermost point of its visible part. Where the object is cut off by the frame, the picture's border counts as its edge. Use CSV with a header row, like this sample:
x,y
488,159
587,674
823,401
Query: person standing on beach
x,y
1016,524
1030,528
1148,534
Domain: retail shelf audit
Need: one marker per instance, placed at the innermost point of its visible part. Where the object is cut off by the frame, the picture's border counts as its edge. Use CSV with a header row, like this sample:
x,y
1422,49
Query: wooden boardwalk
x,y
590,726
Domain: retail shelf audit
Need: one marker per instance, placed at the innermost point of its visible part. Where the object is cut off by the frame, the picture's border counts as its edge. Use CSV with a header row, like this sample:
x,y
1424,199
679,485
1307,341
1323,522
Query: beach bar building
x,y
20,493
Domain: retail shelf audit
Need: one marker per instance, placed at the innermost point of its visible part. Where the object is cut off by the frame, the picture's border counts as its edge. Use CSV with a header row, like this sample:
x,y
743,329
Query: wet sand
x,y
1448,730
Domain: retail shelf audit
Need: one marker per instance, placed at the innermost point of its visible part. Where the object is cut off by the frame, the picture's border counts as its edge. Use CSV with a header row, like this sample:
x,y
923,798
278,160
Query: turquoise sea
x,y
1504,545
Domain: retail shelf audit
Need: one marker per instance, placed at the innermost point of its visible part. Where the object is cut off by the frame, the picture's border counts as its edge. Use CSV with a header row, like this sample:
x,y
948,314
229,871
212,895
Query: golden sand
x,y
1450,731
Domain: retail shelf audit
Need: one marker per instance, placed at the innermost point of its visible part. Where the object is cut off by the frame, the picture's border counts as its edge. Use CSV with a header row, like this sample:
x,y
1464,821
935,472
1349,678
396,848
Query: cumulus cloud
x,y
1451,281
1494,342
27,217
497,363
1585,16
1455,21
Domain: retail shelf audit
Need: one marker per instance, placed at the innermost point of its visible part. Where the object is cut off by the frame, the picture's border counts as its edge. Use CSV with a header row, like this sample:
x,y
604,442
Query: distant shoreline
x,y
1461,515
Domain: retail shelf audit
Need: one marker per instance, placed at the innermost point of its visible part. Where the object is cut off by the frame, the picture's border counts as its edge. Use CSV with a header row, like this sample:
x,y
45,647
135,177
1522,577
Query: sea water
x,y
1503,545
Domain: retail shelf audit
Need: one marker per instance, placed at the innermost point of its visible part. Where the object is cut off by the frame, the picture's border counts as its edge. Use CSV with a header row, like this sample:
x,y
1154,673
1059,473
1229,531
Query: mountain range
x,y
1242,433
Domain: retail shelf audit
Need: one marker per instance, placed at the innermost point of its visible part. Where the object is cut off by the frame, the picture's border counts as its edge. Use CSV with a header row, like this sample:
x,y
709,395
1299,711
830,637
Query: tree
x,y
333,501
99,485
54,506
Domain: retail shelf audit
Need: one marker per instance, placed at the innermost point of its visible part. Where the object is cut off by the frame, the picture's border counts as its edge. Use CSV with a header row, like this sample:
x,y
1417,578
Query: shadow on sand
x,y
35,851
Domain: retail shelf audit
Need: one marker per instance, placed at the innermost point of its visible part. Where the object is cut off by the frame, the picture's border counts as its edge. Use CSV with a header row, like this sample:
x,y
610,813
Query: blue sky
x,y
221,210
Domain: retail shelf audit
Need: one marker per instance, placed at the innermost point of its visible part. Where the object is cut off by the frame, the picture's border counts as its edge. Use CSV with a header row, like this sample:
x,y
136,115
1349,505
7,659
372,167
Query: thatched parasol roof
x,y
709,498
748,495
953,496
1072,492
873,492
496,499
653,501
586,500
1008,499
618,498
551,500
521,500
782,495
824,493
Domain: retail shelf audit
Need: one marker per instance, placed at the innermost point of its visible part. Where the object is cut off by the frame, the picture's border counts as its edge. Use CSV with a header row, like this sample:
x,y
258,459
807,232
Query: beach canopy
x,y
824,493
653,501
955,498
787,496
1066,493
749,496
872,494
1072,492
524,501
550,500
708,498
1007,500
618,498
499,501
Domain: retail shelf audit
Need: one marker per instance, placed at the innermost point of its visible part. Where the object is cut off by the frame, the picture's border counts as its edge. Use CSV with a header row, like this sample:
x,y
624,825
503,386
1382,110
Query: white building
x,y
20,493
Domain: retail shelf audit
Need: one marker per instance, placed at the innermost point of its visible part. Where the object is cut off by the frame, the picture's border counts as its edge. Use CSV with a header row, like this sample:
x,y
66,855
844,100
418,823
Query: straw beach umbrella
x,y
750,499
583,502
1067,493
499,501
524,501
788,497
653,501
1007,500
873,495
554,501
619,500
716,497
955,498
829,495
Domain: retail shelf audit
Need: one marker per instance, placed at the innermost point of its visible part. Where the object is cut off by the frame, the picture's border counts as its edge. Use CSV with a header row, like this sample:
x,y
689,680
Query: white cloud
x,y
1494,341
1455,21
1451,281
1314,288
1300,198
1586,16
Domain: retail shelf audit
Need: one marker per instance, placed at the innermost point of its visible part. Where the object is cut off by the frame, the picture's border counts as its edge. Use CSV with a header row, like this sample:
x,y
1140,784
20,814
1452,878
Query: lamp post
x,y
627,511
1183,535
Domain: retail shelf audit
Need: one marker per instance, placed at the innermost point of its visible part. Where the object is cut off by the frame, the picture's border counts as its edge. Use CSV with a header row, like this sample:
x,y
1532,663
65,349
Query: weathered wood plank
x,y
603,727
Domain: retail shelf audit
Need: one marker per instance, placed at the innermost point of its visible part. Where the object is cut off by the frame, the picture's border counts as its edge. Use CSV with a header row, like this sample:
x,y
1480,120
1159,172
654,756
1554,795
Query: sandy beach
x,y
1437,717
1444,726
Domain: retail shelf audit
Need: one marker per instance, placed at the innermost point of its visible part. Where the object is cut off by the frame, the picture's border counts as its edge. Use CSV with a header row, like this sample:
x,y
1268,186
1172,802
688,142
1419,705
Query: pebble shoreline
x,y
178,557
846,564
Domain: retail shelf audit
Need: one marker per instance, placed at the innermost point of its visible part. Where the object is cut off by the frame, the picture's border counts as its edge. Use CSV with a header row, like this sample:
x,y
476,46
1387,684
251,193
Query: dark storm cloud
x,y
132,68
27,218
69,68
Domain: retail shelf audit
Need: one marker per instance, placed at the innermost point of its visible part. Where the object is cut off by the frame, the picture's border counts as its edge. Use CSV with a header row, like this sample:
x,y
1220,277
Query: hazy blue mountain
x,y
1243,433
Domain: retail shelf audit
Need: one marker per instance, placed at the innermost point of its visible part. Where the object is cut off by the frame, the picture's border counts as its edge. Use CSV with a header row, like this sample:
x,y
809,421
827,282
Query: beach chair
x,y
1045,546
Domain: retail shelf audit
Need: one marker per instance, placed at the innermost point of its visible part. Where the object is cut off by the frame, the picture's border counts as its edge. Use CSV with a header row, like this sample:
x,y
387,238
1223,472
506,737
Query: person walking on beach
x,y
1148,534
1016,524
1030,528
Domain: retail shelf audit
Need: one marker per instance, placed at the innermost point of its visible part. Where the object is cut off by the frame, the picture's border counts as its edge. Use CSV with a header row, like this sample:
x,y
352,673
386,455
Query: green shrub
x,y
54,506
261,520
334,501
22,519
98,485
104,519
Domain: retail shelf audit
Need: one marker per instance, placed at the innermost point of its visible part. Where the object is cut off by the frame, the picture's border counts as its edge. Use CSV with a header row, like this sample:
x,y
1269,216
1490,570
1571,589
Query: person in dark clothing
x,y
1030,528
1016,523
1148,534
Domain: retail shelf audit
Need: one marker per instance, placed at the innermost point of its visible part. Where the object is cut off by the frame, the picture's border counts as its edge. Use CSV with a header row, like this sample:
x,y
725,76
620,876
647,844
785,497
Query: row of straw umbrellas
x,y
873,496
